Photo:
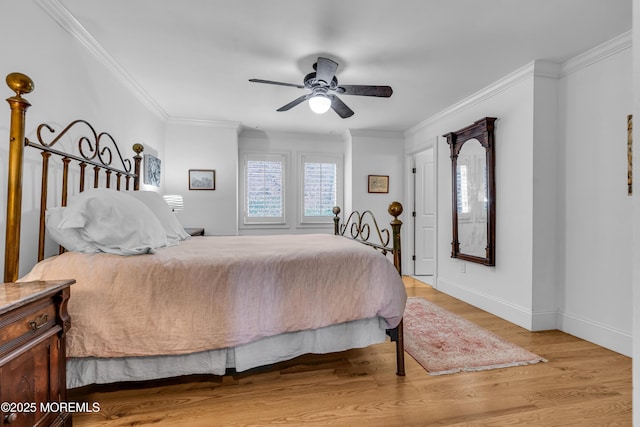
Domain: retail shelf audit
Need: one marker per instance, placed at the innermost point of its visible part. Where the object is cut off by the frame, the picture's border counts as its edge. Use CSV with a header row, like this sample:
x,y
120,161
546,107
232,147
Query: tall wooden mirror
x,y
473,192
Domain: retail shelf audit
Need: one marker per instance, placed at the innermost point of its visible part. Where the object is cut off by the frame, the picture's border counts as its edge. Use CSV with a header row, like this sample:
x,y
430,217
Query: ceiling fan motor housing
x,y
311,82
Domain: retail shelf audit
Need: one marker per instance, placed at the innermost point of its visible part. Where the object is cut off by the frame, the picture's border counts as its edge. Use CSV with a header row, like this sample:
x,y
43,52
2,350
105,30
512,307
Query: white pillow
x,y
114,221
156,203
69,238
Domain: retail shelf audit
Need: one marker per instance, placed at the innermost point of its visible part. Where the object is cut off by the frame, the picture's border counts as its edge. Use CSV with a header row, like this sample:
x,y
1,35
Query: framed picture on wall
x,y
202,179
378,184
151,170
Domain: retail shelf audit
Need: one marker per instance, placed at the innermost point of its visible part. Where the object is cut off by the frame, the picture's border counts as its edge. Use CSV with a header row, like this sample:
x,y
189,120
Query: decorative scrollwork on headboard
x,y
92,151
358,226
89,147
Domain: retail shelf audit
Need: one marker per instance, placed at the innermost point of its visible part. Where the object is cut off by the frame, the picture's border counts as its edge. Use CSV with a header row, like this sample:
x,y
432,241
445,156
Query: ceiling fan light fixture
x,y
319,104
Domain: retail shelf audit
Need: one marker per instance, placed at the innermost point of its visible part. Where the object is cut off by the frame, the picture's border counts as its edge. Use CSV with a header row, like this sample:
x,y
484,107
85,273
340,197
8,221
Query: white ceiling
x,y
194,57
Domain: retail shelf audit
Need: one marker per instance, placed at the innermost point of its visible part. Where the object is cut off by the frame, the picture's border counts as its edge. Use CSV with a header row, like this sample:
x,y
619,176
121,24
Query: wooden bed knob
x,y
20,83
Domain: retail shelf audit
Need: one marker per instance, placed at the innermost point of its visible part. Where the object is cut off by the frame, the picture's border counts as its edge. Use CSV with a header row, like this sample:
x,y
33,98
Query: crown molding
x,y
249,132
373,133
547,69
70,24
510,80
597,54
221,124
537,68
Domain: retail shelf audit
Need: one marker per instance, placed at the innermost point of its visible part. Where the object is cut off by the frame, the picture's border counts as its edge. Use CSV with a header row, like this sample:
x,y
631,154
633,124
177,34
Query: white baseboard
x,y
504,309
597,333
600,334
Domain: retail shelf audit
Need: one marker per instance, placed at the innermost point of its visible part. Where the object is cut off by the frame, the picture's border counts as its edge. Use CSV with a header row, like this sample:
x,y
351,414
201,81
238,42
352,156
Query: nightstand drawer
x,y
26,382
26,322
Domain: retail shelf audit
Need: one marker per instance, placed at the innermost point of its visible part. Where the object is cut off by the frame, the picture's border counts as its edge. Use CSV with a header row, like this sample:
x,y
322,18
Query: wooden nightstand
x,y
195,231
33,323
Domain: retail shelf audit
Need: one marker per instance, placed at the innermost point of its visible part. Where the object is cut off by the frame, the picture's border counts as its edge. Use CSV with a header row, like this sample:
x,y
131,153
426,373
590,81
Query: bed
x,y
164,304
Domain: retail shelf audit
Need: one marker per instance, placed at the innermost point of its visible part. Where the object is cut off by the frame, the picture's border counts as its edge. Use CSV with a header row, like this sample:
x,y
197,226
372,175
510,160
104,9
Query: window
x,y
463,194
316,180
264,188
319,189
321,178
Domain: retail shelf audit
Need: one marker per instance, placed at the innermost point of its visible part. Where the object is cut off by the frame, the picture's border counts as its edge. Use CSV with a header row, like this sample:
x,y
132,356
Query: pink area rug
x,y
444,343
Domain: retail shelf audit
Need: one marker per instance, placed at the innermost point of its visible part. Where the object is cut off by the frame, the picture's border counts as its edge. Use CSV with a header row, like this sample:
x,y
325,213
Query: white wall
x,y
204,145
545,204
597,216
377,153
70,83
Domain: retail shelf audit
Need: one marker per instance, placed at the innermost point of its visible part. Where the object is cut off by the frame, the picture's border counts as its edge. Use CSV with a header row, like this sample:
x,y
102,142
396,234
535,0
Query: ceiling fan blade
x,y
381,91
295,102
325,69
276,83
340,107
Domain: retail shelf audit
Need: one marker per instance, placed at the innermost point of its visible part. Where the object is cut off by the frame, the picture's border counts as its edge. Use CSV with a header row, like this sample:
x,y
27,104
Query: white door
x,y
425,213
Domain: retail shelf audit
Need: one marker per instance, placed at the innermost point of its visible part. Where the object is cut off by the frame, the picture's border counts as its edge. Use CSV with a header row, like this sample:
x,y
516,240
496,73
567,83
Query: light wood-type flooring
x,y
581,385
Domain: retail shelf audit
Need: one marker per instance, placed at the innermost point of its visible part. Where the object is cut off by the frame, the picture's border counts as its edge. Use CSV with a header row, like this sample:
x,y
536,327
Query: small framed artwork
x,y
151,170
378,184
202,179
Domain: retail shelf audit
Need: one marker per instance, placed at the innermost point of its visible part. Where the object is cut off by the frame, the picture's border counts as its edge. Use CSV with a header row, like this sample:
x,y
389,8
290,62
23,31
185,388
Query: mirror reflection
x,y
471,174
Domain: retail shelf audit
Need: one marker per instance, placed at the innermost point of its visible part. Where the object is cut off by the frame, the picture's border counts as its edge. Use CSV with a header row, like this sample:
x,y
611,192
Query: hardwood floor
x,y
581,385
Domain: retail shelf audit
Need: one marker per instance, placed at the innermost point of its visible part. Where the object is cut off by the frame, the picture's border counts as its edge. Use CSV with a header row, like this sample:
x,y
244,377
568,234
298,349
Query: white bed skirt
x,y
266,351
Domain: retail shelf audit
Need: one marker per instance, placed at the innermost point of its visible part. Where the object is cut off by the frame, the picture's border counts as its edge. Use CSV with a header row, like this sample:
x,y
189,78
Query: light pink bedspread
x,y
216,292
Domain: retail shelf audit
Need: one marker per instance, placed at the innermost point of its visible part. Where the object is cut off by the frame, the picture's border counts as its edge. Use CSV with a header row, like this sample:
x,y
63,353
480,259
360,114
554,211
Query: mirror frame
x,y
483,131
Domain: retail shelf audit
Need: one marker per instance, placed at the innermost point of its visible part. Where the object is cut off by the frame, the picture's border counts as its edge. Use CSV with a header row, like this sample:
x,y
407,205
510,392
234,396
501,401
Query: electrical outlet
x,y
463,267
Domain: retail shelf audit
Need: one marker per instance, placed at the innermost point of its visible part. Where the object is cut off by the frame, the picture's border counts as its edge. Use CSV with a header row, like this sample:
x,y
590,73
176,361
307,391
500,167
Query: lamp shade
x,y
319,104
174,201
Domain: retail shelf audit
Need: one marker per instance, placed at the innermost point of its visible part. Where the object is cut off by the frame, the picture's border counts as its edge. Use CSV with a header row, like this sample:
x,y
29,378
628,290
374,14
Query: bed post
x,y
397,334
138,148
395,209
20,84
336,220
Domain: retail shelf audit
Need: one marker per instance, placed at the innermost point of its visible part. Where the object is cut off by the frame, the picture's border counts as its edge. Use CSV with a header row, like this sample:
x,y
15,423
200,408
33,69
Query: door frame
x,y
410,196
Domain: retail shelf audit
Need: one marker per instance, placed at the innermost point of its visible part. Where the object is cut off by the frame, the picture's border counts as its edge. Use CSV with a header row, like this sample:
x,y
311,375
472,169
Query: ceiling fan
x,y
324,87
